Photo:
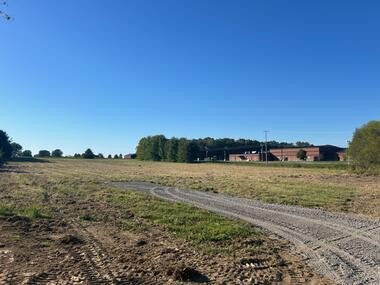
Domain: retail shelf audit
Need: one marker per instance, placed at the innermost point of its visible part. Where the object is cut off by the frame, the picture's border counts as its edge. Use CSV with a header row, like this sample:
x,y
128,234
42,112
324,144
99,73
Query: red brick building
x,y
290,154
314,153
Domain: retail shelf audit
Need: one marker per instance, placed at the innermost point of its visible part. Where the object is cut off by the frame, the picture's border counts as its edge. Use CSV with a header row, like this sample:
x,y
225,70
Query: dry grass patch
x,y
331,189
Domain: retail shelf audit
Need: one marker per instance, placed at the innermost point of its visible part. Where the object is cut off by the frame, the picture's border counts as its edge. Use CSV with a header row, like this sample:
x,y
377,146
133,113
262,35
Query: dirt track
x,y
345,248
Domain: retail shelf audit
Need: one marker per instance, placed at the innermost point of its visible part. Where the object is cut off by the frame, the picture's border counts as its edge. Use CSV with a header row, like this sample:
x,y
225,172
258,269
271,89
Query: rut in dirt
x,y
345,248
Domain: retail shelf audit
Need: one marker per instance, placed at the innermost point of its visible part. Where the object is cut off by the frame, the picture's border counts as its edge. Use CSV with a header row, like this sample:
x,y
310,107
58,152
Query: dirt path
x,y
345,248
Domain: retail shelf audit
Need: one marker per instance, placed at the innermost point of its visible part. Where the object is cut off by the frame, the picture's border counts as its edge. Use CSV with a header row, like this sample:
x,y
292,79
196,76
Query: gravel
x,y
343,247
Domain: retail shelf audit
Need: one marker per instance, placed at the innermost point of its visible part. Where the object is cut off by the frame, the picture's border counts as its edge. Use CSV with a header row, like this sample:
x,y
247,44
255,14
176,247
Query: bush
x,y
26,153
57,153
43,153
301,154
364,148
16,149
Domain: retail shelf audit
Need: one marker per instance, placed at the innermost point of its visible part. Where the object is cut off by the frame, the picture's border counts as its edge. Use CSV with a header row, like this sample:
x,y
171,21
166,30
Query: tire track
x,y
96,265
343,247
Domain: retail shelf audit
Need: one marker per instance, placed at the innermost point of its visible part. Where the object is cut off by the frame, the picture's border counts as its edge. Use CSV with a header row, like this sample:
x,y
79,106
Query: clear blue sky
x,y
102,74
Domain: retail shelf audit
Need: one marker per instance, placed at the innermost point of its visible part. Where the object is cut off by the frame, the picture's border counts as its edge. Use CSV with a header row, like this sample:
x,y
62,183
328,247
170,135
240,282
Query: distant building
x,y
246,157
130,156
314,153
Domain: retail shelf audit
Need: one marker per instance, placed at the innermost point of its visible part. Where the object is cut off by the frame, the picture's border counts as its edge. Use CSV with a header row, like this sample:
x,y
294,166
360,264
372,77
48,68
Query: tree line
x,y
11,150
160,148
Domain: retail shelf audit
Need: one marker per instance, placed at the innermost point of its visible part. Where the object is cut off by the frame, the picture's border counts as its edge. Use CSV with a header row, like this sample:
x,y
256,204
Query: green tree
x,y
27,153
57,153
100,155
158,147
115,156
109,156
171,149
364,148
16,149
5,146
187,150
2,160
301,154
303,144
43,153
77,155
88,154
143,149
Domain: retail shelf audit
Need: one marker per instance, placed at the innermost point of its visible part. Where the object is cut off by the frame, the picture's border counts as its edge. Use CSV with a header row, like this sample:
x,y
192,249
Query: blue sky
x,y
102,74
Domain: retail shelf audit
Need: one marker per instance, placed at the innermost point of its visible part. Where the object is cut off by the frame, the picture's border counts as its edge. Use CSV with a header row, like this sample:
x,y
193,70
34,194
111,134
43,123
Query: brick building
x,y
314,153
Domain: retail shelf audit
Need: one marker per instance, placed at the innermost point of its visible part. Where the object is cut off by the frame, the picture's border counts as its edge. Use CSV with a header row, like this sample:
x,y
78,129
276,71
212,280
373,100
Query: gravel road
x,y
345,248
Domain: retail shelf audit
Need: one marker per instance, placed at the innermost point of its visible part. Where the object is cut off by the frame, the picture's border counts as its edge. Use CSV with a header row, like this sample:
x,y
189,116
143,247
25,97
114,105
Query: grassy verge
x,y
308,195
199,227
273,190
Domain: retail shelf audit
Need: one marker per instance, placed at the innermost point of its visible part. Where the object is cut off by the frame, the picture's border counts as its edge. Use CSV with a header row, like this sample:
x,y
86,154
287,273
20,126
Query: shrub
x,y
16,149
27,153
57,153
43,153
301,154
364,148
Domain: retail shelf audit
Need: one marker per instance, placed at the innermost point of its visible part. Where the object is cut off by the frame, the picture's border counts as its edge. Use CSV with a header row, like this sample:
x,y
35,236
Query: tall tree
x,y
187,150
364,148
142,150
88,154
5,146
171,149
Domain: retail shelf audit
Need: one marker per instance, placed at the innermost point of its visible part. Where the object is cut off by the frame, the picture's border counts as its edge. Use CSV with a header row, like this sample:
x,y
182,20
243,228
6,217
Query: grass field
x,y
41,201
38,190
328,188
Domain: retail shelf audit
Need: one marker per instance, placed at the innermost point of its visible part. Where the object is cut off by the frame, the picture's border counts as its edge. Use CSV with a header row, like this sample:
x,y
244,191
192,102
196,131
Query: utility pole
x,y
266,146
